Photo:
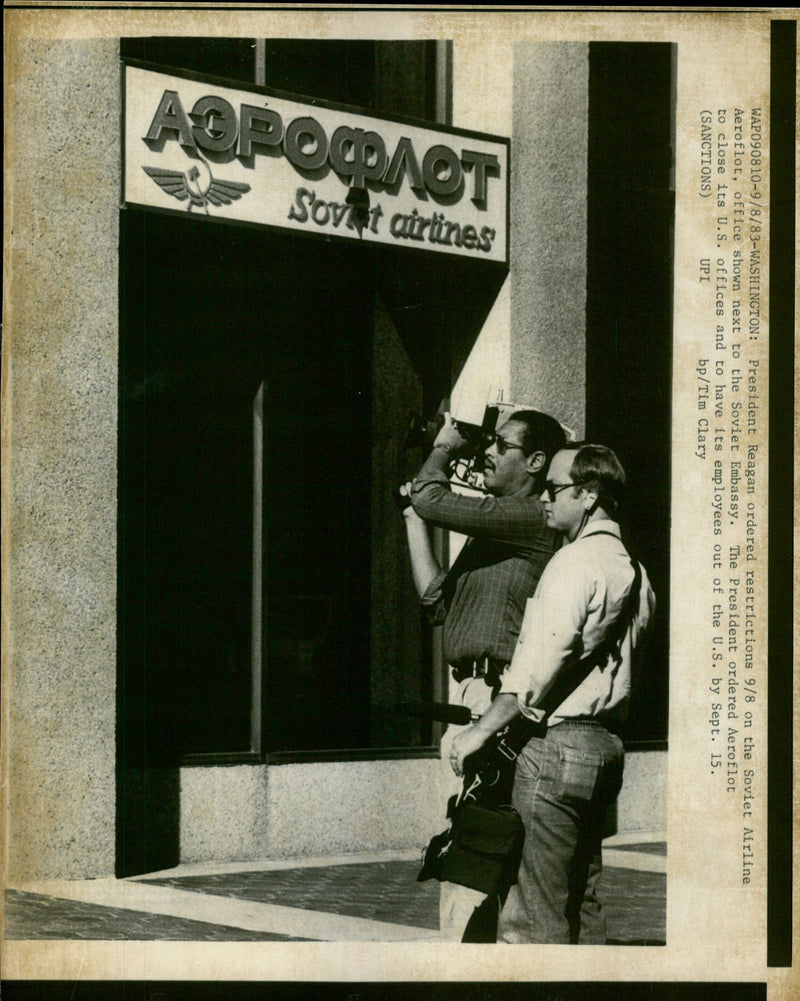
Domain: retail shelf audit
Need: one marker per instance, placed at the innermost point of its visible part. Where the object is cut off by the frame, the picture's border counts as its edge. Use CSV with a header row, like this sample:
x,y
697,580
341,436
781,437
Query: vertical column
x,y
60,399
549,144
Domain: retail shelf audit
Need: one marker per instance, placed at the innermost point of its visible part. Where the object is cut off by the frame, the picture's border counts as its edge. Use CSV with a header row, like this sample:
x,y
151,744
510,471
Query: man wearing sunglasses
x,y
579,646
480,601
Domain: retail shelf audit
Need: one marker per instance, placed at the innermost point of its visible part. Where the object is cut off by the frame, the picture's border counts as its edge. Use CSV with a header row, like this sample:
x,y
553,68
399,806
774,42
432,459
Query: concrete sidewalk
x,y
350,898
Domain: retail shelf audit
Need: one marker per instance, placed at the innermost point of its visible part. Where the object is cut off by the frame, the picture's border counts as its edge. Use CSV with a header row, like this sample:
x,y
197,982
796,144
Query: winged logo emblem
x,y
197,186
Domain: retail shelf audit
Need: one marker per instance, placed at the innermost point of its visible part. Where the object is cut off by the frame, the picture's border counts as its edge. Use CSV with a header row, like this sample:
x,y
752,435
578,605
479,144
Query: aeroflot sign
x,y
196,147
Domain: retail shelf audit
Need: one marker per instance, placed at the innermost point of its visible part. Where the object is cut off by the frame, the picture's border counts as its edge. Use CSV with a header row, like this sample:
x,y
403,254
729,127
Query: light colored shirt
x,y
582,593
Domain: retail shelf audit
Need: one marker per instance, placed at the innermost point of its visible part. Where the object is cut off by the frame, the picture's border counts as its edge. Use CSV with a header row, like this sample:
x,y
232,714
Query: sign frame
x,y
413,249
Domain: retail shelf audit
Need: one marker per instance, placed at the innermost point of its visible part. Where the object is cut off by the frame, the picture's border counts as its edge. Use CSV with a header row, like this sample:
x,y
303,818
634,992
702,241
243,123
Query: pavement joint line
x,y
358,858
279,865
226,911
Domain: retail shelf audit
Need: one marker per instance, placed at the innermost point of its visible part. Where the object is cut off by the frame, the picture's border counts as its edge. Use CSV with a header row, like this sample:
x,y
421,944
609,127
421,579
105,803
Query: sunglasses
x,y
502,445
551,489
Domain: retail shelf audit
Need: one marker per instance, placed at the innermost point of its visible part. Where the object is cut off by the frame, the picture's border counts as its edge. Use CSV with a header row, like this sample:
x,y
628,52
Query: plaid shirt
x,y
482,598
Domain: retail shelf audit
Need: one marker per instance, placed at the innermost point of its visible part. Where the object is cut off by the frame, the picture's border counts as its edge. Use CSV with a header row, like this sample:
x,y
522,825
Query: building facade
x,y
213,629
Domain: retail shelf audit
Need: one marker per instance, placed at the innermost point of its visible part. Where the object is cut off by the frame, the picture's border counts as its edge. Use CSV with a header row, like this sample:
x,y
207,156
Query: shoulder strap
x,y
578,673
521,728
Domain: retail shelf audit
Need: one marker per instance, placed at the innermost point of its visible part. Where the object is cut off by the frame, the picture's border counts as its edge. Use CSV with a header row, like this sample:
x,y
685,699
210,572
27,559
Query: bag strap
x,y
522,728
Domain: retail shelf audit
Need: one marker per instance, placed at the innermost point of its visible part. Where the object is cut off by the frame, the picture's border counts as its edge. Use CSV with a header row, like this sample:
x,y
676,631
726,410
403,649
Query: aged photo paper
x,y
717,819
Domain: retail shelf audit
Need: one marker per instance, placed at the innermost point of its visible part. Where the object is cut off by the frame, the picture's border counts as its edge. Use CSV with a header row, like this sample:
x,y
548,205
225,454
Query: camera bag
x,y
481,849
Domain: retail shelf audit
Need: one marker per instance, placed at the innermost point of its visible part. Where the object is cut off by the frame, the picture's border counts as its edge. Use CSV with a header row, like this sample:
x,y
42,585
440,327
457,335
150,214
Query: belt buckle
x,y
506,751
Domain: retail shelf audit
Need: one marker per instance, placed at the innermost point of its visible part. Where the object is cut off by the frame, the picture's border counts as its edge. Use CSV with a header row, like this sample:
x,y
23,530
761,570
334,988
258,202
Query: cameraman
x,y
480,601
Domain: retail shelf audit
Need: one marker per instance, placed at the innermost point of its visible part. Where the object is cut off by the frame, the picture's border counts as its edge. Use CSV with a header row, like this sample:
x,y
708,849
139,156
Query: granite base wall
x,y
288,811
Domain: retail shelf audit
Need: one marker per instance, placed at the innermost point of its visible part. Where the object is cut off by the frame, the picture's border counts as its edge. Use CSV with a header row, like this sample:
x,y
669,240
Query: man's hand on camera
x,y
449,438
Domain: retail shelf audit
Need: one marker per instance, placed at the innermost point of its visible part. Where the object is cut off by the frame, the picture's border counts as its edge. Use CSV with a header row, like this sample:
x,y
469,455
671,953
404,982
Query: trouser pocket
x,y
578,775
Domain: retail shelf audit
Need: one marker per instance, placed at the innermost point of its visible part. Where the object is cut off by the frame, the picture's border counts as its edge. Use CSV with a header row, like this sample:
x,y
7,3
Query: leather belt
x,y
478,668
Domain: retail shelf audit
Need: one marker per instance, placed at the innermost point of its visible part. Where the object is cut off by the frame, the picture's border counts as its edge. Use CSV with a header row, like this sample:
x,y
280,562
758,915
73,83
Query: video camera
x,y
477,423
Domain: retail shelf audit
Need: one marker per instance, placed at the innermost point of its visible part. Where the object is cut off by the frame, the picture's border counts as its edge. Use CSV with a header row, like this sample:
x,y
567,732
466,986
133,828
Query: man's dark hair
x,y
596,467
542,433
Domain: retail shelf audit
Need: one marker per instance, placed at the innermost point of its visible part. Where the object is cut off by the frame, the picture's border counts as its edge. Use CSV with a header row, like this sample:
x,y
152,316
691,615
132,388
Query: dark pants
x,y
563,786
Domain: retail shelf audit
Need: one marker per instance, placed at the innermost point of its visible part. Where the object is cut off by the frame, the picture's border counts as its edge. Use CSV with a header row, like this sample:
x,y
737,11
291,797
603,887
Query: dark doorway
x,y
266,609
629,316
217,316
245,415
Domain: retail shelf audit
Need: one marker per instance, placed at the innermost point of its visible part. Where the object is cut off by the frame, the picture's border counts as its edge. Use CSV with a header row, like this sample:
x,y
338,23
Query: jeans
x,y
563,785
